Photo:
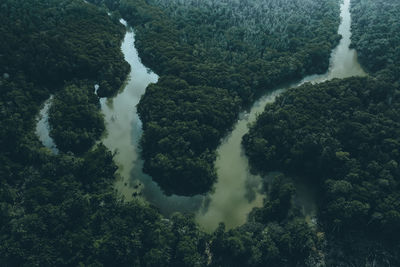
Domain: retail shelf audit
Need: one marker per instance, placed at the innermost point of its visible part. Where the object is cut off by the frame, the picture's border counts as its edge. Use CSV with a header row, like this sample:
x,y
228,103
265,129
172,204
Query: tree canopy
x,y
213,58
375,29
62,210
343,136
237,48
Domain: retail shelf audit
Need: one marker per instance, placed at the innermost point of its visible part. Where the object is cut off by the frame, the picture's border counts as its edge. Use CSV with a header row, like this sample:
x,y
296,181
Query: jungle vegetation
x,y
375,35
61,209
76,123
239,48
343,137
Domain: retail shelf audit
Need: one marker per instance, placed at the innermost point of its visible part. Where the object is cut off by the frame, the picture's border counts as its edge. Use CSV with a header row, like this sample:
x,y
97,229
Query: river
x,y
236,191
124,130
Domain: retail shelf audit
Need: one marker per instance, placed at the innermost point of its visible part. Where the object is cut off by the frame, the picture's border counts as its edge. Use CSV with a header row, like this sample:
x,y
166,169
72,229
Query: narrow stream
x,y
43,128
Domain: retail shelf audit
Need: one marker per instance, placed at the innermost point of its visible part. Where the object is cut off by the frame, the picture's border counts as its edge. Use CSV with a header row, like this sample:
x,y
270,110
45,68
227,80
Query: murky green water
x,y
236,191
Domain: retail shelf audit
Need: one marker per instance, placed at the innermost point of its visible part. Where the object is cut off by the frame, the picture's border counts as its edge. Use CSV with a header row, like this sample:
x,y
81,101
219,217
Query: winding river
x,y
236,191
124,129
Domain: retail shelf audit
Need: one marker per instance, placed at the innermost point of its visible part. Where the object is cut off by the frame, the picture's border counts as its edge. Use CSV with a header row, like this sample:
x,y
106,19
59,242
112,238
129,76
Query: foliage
x,y
243,47
58,40
61,210
75,119
52,43
375,28
182,132
65,214
342,135
275,235
223,45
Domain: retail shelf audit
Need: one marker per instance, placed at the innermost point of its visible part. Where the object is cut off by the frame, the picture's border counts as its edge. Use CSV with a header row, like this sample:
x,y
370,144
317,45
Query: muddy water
x,y
124,129
343,62
237,191
122,122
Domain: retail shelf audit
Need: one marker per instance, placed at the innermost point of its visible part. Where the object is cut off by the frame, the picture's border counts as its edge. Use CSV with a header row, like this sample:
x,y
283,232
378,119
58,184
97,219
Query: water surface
x,y
124,130
237,192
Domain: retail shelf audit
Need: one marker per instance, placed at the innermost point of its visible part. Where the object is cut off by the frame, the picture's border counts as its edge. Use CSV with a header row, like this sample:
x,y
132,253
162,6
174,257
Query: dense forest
x,y
277,234
75,120
213,58
57,41
213,47
61,210
179,150
376,27
210,45
343,137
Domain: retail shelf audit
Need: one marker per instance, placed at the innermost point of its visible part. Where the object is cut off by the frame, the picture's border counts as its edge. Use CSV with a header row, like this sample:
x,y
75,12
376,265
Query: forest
x,y
75,120
214,58
208,45
375,36
61,209
343,137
